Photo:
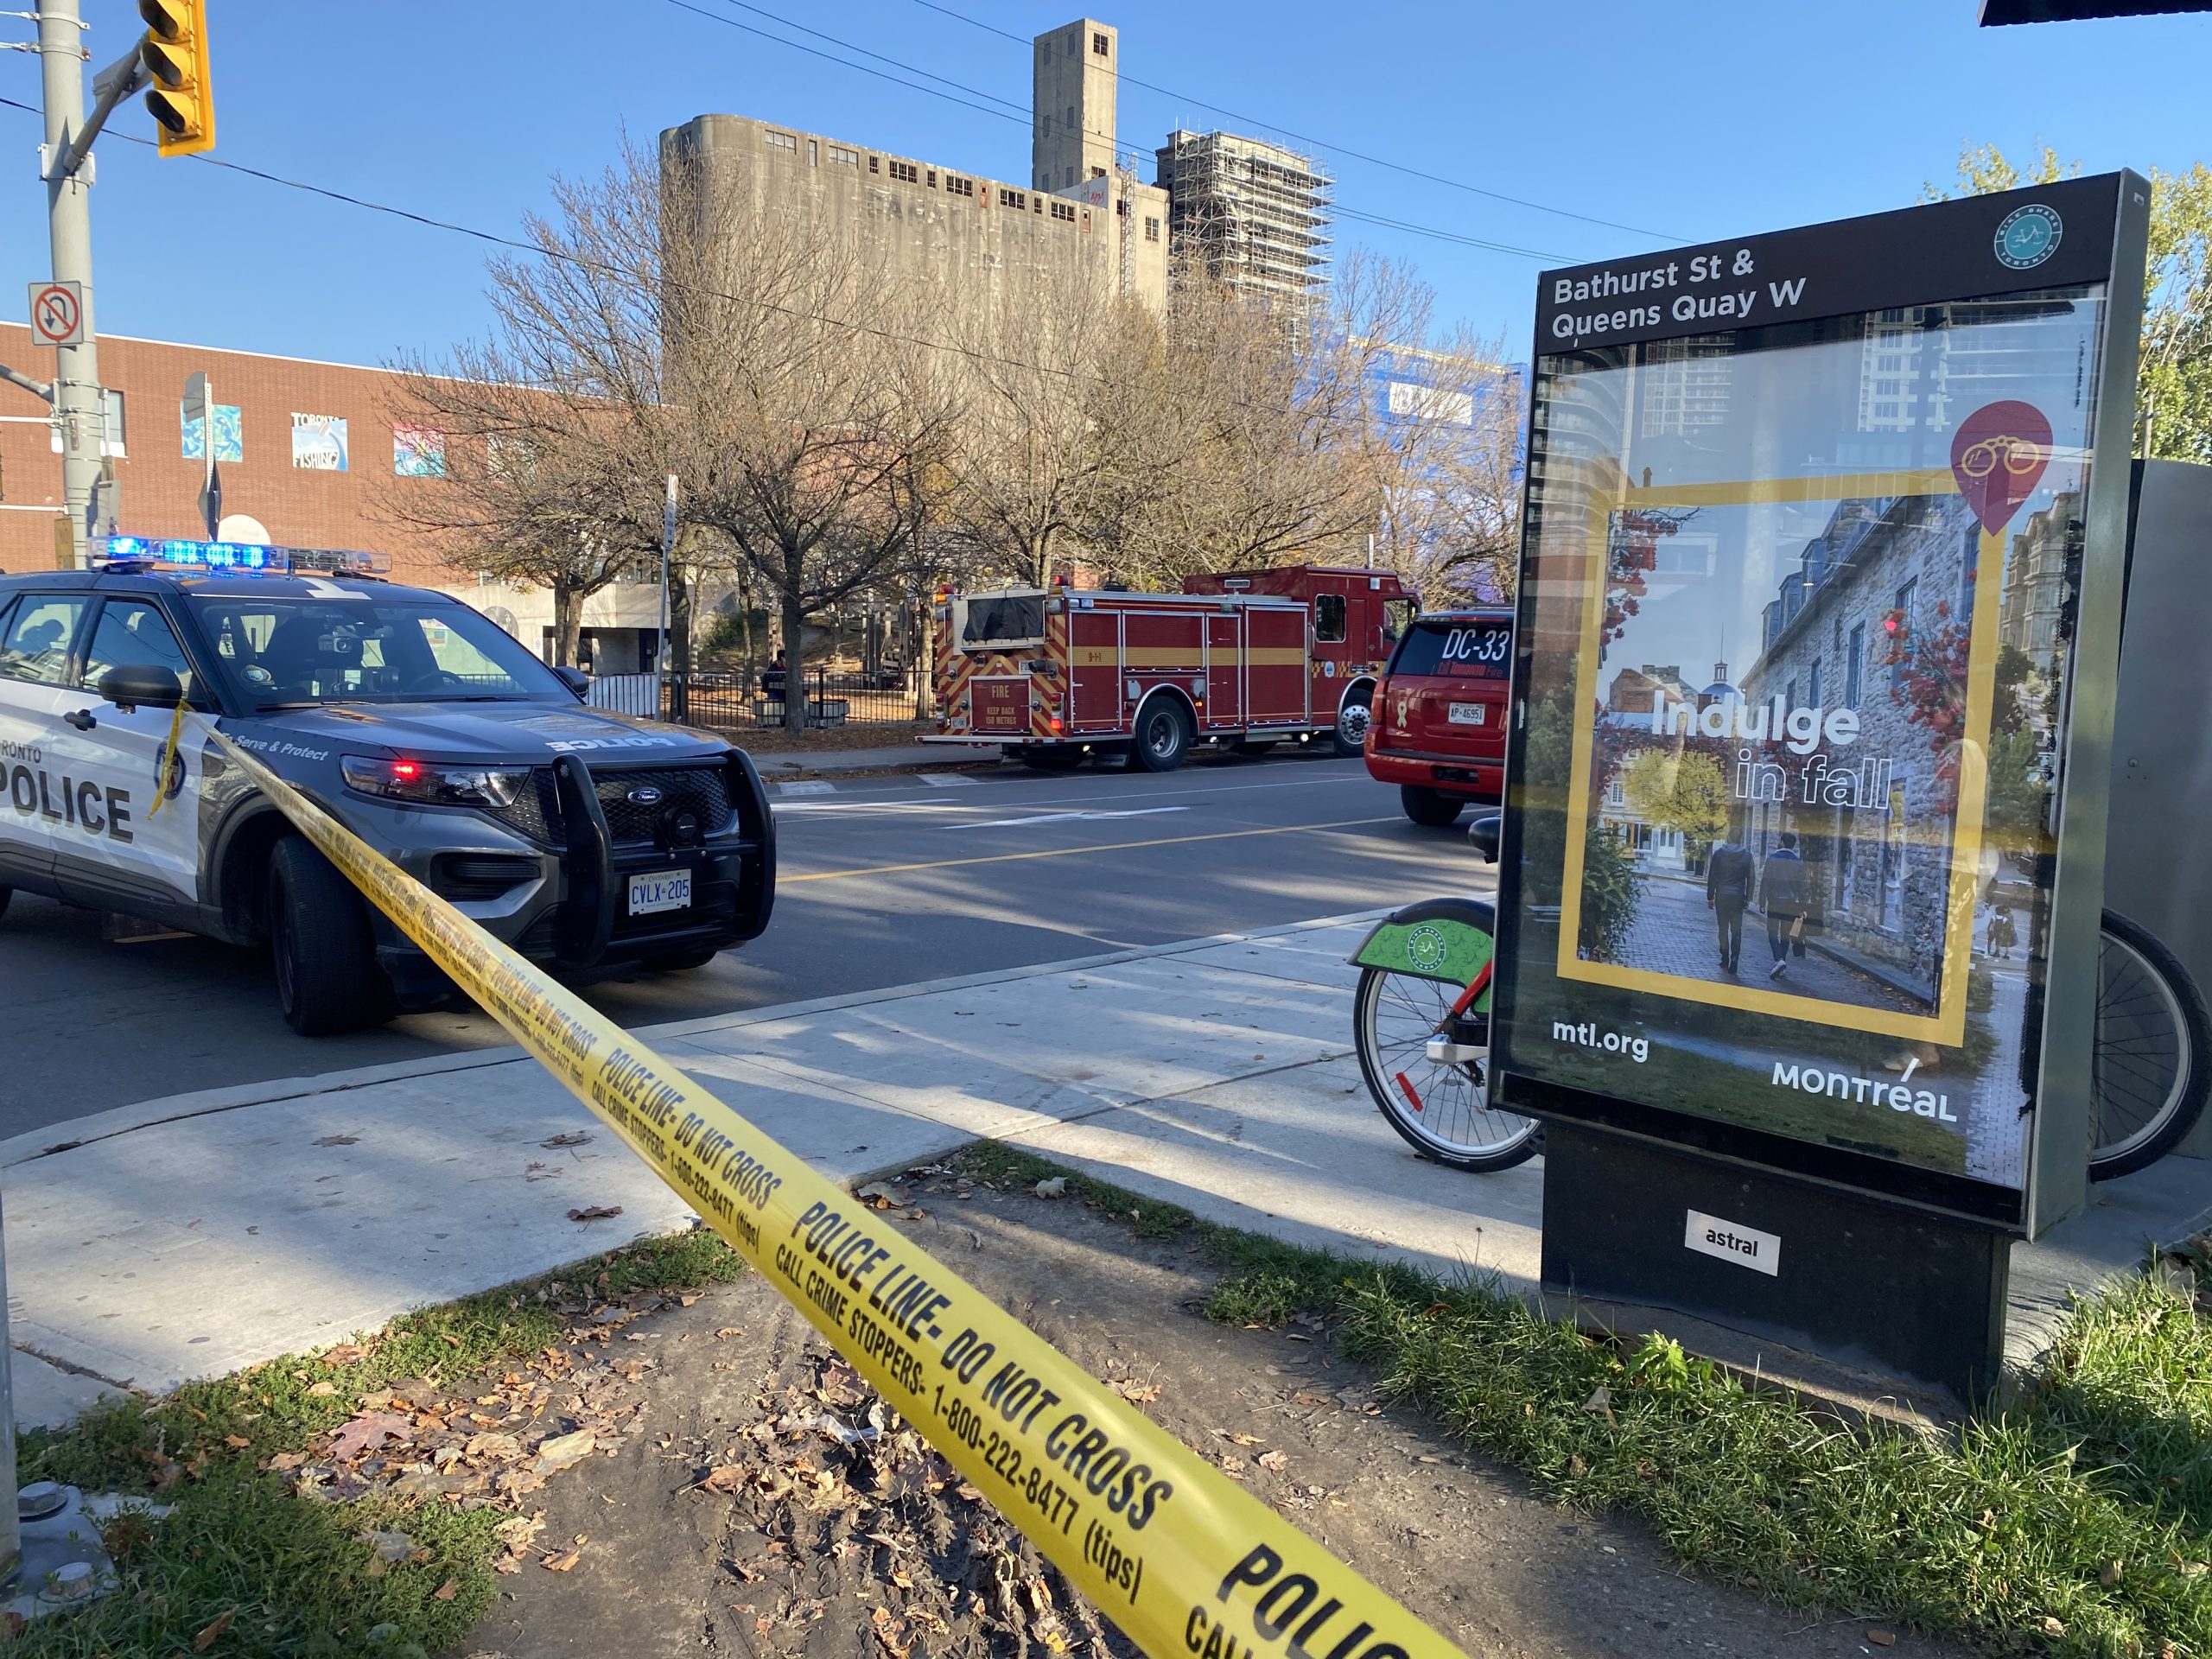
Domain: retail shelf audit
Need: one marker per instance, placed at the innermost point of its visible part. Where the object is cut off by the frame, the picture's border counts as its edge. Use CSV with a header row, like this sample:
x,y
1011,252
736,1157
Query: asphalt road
x,y
883,882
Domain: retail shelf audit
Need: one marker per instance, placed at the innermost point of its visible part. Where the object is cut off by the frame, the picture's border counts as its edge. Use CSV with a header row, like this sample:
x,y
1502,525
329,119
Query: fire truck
x,y
1242,660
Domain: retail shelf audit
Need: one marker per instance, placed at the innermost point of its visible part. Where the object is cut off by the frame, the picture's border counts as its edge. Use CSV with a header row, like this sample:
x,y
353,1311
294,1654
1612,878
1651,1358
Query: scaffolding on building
x,y
1251,215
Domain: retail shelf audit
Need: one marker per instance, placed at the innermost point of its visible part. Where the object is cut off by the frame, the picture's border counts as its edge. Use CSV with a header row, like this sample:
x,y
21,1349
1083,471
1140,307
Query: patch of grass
x,y
291,1570
2076,1520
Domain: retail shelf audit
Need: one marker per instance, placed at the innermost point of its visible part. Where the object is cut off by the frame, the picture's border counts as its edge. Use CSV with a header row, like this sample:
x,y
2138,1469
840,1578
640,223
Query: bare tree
x,y
1021,457
814,413
557,429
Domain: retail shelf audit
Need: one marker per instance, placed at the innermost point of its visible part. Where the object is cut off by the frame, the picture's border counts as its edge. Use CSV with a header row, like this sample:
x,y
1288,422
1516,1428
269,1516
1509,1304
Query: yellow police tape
x,y
1184,1561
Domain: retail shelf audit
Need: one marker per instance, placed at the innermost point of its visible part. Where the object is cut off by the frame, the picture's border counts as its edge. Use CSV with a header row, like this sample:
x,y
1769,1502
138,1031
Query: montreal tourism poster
x,y
1795,601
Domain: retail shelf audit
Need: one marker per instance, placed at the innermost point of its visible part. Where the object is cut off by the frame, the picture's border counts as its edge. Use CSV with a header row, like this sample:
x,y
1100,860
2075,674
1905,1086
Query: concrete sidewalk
x,y
905,757
189,1237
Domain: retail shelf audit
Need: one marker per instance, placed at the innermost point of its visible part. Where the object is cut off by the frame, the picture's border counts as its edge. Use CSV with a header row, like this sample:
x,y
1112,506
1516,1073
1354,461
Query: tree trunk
x,y
745,612
683,591
567,623
795,687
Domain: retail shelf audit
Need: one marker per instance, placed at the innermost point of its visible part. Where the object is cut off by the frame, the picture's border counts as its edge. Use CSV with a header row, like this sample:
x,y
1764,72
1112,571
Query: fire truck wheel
x,y
1064,758
1163,737
1351,725
1426,806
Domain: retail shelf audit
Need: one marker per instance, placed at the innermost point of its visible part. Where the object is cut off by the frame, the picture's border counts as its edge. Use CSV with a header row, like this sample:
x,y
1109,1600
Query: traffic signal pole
x,y
79,412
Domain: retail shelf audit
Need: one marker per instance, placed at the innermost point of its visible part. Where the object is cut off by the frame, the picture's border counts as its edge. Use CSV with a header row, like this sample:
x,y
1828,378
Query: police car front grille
x,y
535,812
702,790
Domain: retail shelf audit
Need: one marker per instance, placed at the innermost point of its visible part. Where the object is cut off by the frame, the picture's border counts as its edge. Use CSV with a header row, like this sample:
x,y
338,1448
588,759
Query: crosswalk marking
x,y
1063,818
806,789
947,780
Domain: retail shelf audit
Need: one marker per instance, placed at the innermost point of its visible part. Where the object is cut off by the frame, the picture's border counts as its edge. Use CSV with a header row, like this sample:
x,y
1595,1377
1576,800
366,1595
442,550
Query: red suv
x,y
1437,729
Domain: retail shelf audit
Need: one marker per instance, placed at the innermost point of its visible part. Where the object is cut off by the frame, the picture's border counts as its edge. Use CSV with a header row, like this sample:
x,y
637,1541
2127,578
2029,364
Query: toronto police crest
x,y
2029,236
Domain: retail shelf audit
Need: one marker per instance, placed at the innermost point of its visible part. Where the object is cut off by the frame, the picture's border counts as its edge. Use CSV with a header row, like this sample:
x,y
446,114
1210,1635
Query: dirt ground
x,y
769,1507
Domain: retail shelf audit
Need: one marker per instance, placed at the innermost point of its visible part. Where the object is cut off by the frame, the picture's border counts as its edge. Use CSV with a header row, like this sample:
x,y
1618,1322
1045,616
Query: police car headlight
x,y
432,785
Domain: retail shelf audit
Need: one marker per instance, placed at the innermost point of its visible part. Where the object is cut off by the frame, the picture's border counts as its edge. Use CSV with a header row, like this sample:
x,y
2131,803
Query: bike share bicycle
x,y
1420,1019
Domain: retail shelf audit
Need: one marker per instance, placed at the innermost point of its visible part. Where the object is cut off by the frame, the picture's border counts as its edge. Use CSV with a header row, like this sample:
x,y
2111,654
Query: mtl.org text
x,y
1587,1035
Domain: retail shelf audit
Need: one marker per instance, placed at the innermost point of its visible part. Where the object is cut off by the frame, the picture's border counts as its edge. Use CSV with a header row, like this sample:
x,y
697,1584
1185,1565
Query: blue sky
x,y
1689,121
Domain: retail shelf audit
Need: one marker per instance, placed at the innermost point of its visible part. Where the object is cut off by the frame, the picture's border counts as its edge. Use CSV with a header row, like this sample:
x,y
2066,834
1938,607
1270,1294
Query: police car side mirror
x,y
576,679
142,686
1483,834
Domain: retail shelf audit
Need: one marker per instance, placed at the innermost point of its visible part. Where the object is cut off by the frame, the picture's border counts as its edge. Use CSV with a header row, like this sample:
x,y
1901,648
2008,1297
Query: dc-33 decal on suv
x,y
589,842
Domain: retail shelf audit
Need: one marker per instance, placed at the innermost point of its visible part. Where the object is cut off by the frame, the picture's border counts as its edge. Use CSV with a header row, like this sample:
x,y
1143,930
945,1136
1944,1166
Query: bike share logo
x,y
1425,949
2028,237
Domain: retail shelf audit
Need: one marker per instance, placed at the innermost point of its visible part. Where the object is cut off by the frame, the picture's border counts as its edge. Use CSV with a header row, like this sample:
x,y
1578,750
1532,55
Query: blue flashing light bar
x,y
171,554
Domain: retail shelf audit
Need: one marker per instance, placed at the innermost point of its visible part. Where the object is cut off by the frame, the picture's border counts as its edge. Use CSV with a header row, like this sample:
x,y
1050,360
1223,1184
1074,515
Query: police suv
x,y
589,842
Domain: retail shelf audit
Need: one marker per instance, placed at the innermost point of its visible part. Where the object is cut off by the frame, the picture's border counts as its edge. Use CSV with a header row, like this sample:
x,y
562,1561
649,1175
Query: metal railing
x,y
735,702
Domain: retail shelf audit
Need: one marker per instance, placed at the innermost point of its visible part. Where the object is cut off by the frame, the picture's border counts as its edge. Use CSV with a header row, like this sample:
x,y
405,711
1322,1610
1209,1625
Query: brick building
x,y
311,454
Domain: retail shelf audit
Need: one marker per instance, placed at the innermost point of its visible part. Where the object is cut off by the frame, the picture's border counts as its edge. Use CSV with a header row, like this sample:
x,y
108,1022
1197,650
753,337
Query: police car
x,y
588,840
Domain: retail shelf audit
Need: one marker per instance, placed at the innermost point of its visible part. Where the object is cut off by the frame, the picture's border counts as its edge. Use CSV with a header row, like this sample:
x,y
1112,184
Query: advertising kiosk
x,y
1802,864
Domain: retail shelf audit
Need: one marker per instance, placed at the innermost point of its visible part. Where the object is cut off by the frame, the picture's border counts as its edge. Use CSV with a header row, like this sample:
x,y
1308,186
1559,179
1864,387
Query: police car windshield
x,y
367,647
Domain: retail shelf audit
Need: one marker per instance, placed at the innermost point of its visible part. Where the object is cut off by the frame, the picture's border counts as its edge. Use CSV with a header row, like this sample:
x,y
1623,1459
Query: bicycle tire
x,y
1395,1066
2151,1060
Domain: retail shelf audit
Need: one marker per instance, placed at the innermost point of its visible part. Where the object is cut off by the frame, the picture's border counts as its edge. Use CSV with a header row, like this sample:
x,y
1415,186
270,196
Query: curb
x,y
124,1120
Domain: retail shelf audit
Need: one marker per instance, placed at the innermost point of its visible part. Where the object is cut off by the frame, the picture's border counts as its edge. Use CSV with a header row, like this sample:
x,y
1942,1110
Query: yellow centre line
x,y
1067,852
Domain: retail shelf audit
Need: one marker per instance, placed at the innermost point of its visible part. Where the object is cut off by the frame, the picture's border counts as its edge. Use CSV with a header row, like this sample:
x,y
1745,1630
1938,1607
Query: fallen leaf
x,y
726,1479
214,1628
339,1140
1053,1187
1881,1638
1601,1399
968,1492
876,1190
346,1353
368,1433
562,1562
573,1138
2053,1626
727,1331
1141,1393
1242,1439
1272,1460
285,1460
596,1212
557,1453
389,1547
322,1390
447,1590
236,1442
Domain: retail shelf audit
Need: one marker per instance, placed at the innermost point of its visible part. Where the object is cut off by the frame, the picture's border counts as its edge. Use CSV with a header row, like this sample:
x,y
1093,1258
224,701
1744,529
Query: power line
x,y
1324,144
601,267
1459,237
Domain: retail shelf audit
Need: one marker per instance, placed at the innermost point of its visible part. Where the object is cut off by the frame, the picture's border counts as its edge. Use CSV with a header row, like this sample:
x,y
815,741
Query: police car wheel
x,y
6,894
327,979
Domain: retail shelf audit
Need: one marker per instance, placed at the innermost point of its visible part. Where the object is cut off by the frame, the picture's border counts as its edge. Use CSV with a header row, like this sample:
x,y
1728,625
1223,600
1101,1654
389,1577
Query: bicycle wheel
x,y
2151,1063
1441,1108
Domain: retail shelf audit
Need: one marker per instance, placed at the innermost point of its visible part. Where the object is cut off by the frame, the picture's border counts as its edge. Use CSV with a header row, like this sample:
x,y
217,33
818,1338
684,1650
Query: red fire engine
x,y
1245,660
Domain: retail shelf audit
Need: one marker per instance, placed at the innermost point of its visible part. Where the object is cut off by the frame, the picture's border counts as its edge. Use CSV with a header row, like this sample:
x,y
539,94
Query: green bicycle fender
x,y
1439,949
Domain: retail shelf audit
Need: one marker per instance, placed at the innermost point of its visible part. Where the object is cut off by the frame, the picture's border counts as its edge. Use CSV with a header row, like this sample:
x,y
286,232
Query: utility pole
x,y
79,406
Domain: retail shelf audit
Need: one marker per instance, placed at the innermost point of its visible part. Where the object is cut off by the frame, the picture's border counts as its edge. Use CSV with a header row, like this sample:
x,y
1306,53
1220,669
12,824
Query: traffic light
x,y
175,54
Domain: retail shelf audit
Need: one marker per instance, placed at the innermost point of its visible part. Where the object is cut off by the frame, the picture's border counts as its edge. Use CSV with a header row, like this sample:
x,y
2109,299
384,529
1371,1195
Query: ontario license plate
x,y
663,890
1470,713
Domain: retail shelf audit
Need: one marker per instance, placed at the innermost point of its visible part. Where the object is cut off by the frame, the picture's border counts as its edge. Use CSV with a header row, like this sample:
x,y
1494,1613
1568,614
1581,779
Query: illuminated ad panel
x,y
1802,548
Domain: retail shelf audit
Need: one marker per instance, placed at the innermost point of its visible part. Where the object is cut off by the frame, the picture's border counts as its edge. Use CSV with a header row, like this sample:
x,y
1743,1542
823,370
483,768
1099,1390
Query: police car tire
x,y
6,894
321,946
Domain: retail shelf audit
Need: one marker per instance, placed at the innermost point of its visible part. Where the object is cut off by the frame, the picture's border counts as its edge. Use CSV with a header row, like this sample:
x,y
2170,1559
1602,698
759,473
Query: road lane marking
x,y
1070,852
806,789
947,780
863,807
1063,818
